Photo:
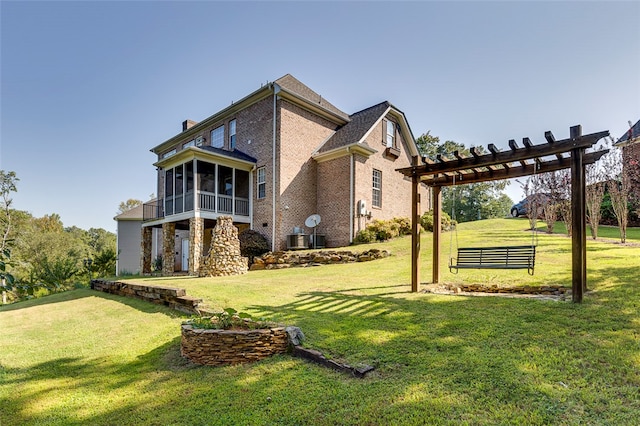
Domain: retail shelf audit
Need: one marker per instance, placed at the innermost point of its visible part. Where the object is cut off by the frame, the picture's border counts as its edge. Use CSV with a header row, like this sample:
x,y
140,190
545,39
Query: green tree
x,y
131,203
472,201
7,186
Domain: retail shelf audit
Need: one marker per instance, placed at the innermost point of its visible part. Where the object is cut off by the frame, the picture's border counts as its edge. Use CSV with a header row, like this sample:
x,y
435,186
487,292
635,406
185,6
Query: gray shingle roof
x,y
631,134
359,124
291,84
239,155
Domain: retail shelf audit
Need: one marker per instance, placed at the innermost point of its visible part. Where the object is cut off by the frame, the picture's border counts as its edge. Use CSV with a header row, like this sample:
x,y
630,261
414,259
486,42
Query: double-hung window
x,y
217,137
232,134
391,134
376,199
262,183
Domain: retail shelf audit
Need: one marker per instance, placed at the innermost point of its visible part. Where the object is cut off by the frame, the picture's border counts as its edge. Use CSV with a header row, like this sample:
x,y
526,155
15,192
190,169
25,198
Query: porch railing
x,y
207,201
152,210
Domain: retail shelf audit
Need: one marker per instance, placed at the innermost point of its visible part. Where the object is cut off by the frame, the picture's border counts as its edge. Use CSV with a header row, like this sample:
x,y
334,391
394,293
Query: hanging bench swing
x,y
505,257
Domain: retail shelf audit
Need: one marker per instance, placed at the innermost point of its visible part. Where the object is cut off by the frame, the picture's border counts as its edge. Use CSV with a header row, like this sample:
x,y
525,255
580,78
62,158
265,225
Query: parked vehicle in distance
x,y
520,209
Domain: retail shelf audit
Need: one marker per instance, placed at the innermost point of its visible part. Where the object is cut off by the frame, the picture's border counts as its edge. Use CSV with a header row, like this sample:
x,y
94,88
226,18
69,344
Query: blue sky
x,y
88,88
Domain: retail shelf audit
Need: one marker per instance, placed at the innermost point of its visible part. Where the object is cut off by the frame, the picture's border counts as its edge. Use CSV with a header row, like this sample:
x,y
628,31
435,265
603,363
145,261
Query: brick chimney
x,y
187,124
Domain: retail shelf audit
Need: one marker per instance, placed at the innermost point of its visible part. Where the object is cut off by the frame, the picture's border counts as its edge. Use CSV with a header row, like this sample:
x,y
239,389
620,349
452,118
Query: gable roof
x,y
287,87
630,136
360,124
132,214
237,154
292,85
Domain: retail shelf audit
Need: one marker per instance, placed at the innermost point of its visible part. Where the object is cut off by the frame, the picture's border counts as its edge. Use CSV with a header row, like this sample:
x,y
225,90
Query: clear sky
x,y
88,88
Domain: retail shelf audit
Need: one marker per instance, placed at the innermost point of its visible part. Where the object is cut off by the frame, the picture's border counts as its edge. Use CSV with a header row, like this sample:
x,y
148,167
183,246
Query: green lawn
x,y
83,357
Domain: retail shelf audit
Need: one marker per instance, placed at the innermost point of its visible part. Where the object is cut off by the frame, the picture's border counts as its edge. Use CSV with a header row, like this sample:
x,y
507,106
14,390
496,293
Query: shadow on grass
x,y
76,294
438,359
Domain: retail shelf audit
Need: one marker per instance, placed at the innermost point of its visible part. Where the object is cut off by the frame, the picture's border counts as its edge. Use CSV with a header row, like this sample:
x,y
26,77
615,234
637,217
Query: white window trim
x,y
213,140
261,183
391,137
232,134
376,188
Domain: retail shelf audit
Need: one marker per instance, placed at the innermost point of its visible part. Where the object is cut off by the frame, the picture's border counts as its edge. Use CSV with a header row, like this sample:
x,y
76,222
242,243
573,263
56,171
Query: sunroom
x,y
209,181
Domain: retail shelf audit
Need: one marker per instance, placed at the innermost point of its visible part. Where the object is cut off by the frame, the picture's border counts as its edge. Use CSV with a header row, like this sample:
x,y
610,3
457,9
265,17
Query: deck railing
x,y
207,201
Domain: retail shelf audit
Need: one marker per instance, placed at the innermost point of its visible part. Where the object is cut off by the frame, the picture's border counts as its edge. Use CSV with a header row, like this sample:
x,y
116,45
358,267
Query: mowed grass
x,y
83,357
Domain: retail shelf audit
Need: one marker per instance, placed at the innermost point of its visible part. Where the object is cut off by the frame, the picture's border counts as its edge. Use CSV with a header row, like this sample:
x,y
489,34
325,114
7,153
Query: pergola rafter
x,y
512,163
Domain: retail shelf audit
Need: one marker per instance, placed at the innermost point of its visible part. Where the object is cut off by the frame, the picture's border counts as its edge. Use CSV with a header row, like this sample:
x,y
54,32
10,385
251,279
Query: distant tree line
x,y
39,255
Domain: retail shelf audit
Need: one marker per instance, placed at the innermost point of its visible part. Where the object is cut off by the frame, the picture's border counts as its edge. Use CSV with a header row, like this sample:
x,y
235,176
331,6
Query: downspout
x,y
276,90
351,212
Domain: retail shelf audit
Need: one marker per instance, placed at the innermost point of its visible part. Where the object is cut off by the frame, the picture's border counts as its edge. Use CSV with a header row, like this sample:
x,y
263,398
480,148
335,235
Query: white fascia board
x,y
243,103
354,148
406,131
627,142
196,153
366,135
310,106
315,151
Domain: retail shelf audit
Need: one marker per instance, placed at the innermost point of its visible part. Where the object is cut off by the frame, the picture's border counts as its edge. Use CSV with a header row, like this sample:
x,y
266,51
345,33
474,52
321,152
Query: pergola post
x,y
578,220
415,233
437,233
511,163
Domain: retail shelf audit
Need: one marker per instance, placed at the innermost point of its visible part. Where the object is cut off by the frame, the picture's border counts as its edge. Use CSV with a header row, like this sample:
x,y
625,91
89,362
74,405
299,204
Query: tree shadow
x,y
138,304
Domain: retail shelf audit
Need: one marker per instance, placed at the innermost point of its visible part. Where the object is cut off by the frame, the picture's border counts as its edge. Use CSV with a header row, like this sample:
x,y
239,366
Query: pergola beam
x,y
512,172
499,165
501,157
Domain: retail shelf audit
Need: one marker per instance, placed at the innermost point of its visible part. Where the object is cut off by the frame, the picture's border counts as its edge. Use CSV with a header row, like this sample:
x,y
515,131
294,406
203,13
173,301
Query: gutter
x,y
276,90
351,180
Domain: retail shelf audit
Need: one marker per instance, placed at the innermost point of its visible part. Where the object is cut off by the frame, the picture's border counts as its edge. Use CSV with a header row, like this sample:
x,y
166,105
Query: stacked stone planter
x,y
226,347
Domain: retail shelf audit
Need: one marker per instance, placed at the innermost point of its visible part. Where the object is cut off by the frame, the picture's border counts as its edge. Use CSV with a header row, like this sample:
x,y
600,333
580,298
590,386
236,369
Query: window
x,y
377,188
262,183
169,153
192,142
232,134
391,134
217,137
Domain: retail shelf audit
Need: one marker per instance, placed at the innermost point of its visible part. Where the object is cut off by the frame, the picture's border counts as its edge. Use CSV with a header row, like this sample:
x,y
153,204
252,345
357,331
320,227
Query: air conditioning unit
x,y
362,207
297,242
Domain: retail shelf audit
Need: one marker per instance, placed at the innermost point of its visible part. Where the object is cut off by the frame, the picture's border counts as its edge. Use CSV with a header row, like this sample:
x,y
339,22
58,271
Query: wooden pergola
x,y
515,162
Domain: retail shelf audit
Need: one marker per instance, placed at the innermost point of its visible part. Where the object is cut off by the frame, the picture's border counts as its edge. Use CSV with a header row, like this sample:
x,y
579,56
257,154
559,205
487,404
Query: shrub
x,y
157,264
252,244
104,263
404,225
384,229
426,220
364,236
227,319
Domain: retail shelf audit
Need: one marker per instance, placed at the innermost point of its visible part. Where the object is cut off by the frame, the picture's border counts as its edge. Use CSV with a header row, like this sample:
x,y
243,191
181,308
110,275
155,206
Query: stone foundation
x,y
288,259
175,298
226,347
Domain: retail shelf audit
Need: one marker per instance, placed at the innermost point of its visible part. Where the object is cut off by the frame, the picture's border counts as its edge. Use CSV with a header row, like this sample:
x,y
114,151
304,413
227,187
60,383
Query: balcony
x,y
204,201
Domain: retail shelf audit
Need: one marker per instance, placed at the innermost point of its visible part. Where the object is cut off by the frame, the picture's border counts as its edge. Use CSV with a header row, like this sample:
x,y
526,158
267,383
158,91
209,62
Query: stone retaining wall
x,y
288,259
480,288
175,298
225,347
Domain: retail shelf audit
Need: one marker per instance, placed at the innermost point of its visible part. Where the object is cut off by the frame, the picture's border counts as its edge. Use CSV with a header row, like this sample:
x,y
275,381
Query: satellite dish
x,y
312,221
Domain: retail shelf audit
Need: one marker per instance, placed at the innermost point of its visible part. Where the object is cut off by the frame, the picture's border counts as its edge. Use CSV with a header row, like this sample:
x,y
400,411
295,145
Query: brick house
x,y
630,145
272,159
